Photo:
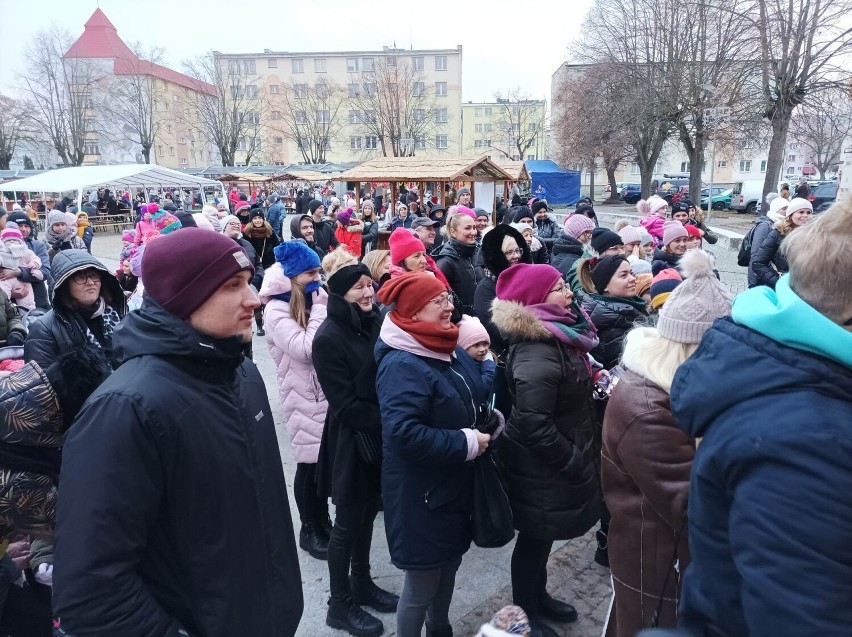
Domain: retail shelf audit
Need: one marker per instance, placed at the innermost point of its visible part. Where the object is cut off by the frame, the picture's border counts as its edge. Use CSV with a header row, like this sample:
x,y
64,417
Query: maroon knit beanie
x,y
183,269
527,284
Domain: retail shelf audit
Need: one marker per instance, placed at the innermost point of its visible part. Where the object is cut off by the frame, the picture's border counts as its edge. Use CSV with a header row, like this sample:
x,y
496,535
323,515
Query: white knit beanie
x,y
799,203
693,306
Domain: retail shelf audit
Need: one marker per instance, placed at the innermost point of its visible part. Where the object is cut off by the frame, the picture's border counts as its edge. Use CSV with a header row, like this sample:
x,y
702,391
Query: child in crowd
x,y
126,278
128,243
145,228
694,239
17,290
479,367
84,230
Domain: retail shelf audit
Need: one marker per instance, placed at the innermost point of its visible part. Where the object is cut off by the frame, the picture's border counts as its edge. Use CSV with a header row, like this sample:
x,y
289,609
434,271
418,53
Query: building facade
x,y
515,129
349,105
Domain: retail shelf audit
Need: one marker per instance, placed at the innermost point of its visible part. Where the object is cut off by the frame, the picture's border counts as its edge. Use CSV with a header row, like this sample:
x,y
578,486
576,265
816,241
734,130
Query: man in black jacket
x,y
174,518
323,230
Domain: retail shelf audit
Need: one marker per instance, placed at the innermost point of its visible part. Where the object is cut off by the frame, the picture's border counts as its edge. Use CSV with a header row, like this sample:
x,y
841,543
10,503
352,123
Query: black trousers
x,y
312,508
350,543
529,572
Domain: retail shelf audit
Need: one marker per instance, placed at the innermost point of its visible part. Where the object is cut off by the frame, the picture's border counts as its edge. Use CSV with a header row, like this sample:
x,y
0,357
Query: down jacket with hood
x,y
174,511
770,524
613,317
550,447
303,403
547,231
768,262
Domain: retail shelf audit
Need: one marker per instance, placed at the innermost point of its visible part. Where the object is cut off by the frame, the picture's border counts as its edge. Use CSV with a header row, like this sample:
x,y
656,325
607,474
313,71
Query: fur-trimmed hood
x,y
517,323
491,252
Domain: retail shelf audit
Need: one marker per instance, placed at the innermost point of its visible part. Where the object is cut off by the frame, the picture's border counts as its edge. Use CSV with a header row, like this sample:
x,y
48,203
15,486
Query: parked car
x,y
747,195
721,198
825,193
672,190
631,193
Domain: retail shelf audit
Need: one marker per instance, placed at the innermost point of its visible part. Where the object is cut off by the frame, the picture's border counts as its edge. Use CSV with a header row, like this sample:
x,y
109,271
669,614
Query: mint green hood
x,y
781,315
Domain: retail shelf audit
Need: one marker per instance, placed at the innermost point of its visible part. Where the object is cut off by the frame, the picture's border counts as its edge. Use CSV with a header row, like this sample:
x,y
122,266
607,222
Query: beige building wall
x,y
274,71
484,127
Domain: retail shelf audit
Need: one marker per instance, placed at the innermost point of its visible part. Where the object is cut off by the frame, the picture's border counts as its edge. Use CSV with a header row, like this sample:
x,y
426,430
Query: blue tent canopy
x,y
557,185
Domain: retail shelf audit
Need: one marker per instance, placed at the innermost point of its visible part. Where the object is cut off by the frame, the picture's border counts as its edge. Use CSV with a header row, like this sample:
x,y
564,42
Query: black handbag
x,y
491,517
369,446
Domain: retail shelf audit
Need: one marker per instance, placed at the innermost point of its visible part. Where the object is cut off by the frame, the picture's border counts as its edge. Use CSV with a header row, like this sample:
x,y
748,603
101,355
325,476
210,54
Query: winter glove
x,y
44,574
74,376
16,338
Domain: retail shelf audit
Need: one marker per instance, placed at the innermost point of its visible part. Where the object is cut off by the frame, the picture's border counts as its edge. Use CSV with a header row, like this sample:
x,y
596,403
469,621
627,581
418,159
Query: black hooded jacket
x,y
295,233
174,510
460,264
566,250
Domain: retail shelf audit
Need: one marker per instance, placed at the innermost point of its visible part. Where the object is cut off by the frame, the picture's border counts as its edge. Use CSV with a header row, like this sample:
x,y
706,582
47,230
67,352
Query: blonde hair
x,y
654,357
785,225
820,261
584,275
453,220
298,308
375,262
337,259
509,243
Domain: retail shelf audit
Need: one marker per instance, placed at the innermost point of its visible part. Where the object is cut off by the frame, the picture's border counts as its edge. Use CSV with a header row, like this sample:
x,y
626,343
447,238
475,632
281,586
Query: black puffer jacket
x,y
769,263
174,509
613,318
458,262
251,253
762,227
566,250
663,260
549,449
492,257
324,235
547,231
63,329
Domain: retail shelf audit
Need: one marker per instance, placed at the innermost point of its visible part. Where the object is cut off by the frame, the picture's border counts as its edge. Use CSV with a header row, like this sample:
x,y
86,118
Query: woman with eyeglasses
x,y
549,448
429,438
88,304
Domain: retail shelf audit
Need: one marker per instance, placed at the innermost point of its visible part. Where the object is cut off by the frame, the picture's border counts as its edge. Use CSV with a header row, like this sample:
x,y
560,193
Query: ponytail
x,y
584,274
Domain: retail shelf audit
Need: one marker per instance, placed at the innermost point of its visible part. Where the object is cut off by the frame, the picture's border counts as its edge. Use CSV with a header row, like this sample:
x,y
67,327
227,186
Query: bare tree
x,y
821,125
226,105
58,92
13,129
126,103
397,107
803,46
520,123
590,119
311,117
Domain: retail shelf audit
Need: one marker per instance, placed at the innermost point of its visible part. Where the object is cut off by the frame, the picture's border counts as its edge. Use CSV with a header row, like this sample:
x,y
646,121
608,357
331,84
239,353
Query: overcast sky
x,y
505,43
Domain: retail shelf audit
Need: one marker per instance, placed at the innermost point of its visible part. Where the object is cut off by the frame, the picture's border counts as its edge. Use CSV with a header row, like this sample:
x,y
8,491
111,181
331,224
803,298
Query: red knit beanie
x,y
410,292
183,269
526,283
403,244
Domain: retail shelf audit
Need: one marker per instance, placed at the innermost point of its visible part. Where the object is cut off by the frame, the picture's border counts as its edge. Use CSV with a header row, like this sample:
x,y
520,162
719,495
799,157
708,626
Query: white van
x,y
747,196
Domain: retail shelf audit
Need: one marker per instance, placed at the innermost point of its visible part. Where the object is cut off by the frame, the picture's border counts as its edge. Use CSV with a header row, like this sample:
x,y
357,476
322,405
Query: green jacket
x,y
9,319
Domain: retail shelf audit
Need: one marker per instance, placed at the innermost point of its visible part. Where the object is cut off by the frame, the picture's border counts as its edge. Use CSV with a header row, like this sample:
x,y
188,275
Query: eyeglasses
x,y
564,289
513,253
444,301
82,277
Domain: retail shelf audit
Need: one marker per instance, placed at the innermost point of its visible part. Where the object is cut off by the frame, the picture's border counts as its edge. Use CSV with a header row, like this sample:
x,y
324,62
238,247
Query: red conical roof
x,y
99,40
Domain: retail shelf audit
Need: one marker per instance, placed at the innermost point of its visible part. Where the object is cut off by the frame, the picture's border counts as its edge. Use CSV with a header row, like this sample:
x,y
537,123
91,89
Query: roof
x,y
516,169
100,40
243,177
544,166
427,169
301,175
121,176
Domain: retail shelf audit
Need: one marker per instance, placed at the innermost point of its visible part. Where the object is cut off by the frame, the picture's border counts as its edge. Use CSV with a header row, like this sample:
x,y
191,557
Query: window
x,y
634,168
417,63
273,88
791,158
440,62
278,140
183,162
169,129
323,117
271,63
182,140
477,128
354,90
171,150
370,117
249,66
319,65
303,143
251,117
298,65
486,128
419,115
722,164
371,142
236,92
391,62
745,166
322,90
441,116
420,141
300,90
486,143
516,129
326,144
355,142
763,166
530,157
301,117
370,88
477,112
251,91
684,166
352,66
255,143
531,127
487,111
354,117
440,88
159,149
419,89
276,114
791,170
440,141
176,98
477,143
368,64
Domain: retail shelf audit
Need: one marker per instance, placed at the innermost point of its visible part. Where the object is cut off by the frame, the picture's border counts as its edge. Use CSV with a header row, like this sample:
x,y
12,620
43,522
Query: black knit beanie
x,y
604,270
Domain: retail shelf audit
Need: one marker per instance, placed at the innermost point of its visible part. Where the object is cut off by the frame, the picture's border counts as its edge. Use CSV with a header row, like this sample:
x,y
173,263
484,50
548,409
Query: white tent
x,y
127,176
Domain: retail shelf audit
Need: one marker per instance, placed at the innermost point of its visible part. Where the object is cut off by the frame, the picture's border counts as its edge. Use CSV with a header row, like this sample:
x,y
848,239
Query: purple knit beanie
x,y
526,283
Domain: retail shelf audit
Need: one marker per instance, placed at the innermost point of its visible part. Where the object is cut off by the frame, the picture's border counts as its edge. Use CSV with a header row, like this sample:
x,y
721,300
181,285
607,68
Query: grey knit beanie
x,y
693,306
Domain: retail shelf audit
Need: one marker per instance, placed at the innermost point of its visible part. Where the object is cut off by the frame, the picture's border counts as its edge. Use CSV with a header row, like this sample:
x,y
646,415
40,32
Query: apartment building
x,y
333,104
514,128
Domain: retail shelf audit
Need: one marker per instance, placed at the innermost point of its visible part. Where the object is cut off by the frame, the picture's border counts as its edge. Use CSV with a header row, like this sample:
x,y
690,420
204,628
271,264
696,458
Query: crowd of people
x,y
580,365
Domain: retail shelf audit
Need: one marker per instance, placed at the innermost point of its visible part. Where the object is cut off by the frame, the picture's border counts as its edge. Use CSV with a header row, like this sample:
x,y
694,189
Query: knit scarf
x,y
430,335
82,224
264,232
569,325
53,238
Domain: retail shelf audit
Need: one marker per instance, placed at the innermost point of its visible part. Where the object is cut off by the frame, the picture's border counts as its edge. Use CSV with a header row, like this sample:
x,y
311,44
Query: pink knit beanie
x,y
673,230
575,225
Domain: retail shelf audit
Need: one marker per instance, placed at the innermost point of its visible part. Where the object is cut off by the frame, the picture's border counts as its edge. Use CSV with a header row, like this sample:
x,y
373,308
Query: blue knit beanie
x,y
296,257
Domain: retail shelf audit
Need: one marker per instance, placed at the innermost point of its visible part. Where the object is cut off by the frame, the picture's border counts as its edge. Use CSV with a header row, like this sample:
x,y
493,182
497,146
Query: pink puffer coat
x,y
302,401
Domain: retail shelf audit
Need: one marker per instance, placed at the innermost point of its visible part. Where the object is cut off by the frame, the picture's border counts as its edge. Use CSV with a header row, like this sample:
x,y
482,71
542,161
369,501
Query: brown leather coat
x,y
645,473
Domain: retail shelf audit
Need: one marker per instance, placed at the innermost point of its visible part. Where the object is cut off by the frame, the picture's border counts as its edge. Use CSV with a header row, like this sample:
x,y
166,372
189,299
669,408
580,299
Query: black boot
x,y
439,631
325,527
366,593
602,553
313,541
539,629
345,614
258,319
556,610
